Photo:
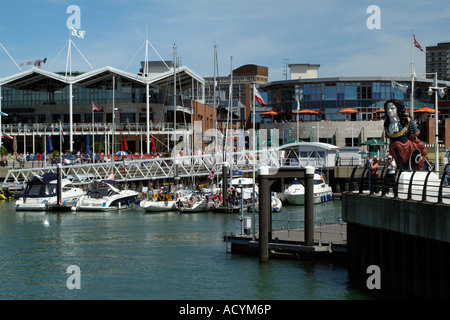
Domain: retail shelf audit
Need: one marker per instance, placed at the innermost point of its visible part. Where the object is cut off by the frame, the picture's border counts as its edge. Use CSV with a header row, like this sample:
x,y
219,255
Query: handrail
x,y
424,186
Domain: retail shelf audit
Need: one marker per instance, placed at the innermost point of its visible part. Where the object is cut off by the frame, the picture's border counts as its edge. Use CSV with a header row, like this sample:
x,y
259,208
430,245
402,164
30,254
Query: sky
x,y
342,36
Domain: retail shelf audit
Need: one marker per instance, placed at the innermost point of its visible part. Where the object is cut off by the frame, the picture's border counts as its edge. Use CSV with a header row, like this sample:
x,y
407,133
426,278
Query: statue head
x,y
400,110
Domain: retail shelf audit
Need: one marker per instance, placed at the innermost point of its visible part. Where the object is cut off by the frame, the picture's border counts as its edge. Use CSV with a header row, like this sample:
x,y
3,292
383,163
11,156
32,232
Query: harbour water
x,y
162,256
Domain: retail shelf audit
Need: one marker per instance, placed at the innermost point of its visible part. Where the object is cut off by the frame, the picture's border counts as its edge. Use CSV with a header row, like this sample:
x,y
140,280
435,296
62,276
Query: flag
x,y
96,108
62,135
399,86
78,33
7,136
259,98
50,145
416,44
124,144
88,145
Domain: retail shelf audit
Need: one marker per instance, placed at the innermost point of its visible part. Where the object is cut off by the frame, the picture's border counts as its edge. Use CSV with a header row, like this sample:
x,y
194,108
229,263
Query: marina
x,y
135,255
153,182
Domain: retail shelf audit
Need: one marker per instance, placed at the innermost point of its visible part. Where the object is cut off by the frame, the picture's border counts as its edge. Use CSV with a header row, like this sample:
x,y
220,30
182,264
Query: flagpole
x,y
60,142
254,163
93,144
412,75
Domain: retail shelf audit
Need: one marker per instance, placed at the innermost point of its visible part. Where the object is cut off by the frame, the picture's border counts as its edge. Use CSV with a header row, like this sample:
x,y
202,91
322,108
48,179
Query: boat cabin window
x,y
39,189
67,187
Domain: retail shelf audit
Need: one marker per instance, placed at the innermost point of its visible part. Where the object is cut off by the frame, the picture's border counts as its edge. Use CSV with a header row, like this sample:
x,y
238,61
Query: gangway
x,y
132,170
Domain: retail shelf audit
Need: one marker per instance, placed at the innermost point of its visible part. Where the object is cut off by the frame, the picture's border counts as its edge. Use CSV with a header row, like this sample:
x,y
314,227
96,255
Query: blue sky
x,y
331,33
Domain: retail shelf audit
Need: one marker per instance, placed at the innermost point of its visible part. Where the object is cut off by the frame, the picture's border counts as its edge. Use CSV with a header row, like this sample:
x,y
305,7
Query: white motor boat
x,y
194,203
275,203
295,194
104,196
160,202
41,193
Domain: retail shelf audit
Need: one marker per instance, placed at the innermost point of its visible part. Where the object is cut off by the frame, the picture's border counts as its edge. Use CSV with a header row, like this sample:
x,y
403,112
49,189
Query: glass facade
x,y
58,94
329,97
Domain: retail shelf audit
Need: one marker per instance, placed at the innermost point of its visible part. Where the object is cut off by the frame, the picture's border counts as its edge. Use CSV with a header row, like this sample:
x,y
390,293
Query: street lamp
x,y
318,131
352,129
441,92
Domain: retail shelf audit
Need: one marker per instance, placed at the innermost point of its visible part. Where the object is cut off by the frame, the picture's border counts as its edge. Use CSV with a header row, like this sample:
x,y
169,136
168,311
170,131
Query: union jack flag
x,y
416,44
96,108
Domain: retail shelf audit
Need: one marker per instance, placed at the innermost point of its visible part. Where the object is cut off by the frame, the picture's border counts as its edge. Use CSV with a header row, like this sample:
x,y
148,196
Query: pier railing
x,y
430,186
289,223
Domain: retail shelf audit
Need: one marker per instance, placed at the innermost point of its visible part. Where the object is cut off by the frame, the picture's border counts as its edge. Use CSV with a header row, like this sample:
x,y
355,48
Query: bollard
x,y
224,184
59,183
309,206
264,213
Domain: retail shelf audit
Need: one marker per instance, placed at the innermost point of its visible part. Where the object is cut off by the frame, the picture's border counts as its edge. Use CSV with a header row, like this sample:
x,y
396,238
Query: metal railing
x,y
98,128
291,221
430,186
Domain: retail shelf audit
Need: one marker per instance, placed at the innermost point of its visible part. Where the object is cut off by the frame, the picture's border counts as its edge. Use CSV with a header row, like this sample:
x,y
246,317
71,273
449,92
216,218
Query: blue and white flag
x,y
399,86
78,33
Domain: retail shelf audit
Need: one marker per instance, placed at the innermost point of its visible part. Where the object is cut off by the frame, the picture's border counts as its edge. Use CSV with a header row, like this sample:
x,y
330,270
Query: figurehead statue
x,y
409,152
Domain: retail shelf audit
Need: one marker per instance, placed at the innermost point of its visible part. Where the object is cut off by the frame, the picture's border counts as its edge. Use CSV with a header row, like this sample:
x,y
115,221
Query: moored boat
x,y
160,202
41,193
106,195
295,194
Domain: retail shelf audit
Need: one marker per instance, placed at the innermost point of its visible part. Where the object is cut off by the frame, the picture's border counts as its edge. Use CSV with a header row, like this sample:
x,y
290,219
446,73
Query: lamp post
x,y
356,130
436,89
318,131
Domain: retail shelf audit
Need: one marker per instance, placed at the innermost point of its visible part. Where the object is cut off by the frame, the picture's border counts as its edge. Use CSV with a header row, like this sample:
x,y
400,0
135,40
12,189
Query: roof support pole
x,y
148,117
71,116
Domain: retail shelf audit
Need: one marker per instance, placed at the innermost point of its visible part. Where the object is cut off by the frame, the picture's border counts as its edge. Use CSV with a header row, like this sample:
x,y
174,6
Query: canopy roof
x,y
31,78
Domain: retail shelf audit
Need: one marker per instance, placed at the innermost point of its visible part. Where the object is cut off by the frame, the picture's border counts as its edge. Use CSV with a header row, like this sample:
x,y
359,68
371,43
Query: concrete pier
x,y
408,240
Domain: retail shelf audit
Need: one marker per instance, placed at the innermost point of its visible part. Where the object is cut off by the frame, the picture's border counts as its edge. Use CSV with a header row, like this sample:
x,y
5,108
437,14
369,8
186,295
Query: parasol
x,y
349,111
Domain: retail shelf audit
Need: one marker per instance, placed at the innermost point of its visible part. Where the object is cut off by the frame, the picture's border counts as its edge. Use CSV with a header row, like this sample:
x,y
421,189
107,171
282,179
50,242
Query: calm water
x,y
135,255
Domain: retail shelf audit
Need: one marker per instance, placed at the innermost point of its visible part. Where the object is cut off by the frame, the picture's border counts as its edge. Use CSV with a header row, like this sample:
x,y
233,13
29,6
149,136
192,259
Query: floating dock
x,y
330,241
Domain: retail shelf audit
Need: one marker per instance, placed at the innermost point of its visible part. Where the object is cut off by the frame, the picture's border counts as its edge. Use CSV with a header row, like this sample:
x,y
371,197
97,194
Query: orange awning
x,y
348,111
307,111
270,113
425,110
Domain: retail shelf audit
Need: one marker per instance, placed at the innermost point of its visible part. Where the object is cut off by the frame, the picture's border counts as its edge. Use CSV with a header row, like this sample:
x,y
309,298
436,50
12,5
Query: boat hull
x,y
158,206
44,204
299,199
107,204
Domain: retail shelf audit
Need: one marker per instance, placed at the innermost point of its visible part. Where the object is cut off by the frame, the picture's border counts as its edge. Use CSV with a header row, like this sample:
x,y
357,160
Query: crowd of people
x,y
373,167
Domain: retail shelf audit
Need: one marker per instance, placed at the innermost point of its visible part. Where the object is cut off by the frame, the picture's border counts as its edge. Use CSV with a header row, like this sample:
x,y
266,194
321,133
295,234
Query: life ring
x,y
155,196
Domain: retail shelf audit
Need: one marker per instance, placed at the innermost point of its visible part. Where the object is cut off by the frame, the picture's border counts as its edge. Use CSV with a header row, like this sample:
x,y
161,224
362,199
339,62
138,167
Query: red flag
x,y
153,145
124,144
259,98
7,136
416,44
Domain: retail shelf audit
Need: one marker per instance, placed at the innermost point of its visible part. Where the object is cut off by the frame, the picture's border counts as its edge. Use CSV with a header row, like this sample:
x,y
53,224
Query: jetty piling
x,y
271,177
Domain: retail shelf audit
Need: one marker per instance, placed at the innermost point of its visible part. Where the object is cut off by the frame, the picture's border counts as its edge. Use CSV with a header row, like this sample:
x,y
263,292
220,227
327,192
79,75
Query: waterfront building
x,y
242,92
365,95
37,100
438,60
